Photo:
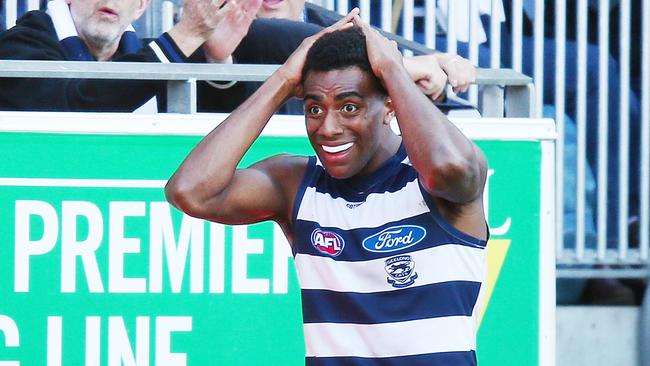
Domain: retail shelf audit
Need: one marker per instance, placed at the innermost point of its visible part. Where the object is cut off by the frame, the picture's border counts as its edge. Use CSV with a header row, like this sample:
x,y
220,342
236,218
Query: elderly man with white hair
x,y
100,30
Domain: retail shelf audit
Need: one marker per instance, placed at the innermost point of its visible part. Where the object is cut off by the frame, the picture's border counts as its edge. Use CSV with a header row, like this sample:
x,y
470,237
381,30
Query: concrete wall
x,y
597,335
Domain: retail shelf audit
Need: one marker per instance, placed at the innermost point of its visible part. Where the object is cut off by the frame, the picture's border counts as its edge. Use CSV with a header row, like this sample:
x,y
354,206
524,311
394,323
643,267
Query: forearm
x,y
187,41
445,159
210,167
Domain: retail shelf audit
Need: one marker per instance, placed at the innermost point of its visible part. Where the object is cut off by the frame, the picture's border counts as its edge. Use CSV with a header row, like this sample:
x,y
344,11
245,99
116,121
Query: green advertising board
x,y
97,269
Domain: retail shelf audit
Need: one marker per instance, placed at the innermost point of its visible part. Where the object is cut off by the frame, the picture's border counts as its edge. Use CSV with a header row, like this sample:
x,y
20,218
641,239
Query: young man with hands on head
x,y
388,231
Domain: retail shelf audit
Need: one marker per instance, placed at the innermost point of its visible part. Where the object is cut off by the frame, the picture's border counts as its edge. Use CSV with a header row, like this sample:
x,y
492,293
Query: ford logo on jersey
x,y
327,242
394,238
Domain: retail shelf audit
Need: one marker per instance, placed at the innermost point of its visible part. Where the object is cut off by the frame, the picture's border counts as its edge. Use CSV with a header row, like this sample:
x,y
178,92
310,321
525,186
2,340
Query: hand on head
x,y
382,52
291,70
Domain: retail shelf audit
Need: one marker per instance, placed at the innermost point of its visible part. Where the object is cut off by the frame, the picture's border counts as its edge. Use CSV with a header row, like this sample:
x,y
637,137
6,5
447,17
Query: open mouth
x,y
337,148
272,3
107,11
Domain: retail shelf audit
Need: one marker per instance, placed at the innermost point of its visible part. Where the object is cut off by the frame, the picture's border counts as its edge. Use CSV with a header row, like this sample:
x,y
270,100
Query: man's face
x,y
285,9
347,119
102,22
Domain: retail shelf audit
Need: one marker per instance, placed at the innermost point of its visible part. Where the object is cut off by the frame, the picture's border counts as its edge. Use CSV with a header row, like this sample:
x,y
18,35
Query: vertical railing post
x,y
181,96
644,329
11,11
490,101
519,101
560,73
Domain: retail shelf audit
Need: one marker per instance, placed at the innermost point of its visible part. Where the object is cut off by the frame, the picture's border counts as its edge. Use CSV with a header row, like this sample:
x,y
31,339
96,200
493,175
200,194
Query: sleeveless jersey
x,y
385,280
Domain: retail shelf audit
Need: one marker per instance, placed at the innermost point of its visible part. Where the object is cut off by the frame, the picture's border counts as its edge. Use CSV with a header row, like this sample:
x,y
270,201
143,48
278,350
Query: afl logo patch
x,y
327,242
394,238
401,271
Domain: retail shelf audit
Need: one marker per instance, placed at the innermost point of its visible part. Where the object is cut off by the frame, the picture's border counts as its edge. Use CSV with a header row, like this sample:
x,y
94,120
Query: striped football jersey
x,y
385,280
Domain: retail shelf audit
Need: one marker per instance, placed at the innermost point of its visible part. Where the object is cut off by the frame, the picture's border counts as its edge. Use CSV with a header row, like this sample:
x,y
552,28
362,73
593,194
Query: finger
x,y
432,91
464,84
452,77
299,92
219,3
346,21
343,23
427,86
251,5
365,27
458,89
430,88
437,96
441,97
464,77
223,7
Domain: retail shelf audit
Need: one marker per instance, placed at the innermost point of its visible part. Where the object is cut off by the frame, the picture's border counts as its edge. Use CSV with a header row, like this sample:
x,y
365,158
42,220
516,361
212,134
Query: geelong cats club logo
x,y
401,271
327,242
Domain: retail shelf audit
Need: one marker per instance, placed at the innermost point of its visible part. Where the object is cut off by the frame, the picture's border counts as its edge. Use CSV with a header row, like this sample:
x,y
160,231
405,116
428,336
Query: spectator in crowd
x,y
91,30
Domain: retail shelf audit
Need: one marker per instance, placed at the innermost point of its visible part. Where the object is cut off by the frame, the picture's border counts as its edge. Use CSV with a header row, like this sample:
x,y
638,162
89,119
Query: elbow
x,y
442,175
184,198
456,180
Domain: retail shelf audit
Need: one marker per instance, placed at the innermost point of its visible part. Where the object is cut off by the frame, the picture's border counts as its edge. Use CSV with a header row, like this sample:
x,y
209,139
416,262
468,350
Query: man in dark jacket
x,y
96,30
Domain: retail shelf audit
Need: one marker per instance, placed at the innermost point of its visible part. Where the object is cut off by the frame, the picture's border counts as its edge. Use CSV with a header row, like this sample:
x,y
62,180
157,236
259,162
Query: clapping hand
x,y
231,30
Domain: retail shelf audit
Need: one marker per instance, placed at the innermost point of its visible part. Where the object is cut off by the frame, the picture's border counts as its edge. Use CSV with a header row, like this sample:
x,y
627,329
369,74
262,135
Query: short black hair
x,y
339,50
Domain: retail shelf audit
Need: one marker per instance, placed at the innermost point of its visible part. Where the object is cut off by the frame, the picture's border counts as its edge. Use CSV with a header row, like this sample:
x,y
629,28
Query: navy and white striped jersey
x,y
385,279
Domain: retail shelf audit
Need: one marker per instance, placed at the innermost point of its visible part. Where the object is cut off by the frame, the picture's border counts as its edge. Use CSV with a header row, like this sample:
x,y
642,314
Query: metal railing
x,y
582,253
503,91
608,254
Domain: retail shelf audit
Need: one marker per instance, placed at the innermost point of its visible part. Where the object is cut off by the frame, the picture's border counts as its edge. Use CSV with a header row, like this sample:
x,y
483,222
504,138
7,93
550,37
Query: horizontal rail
x,y
599,272
181,87
133,70
504,129
160,71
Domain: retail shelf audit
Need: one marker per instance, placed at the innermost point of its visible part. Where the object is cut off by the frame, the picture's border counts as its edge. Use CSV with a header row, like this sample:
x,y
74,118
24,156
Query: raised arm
x,y
450,166
209,185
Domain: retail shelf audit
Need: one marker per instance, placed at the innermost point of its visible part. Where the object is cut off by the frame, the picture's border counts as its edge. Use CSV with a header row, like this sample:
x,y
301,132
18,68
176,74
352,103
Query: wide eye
x,y
314,109
350,108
